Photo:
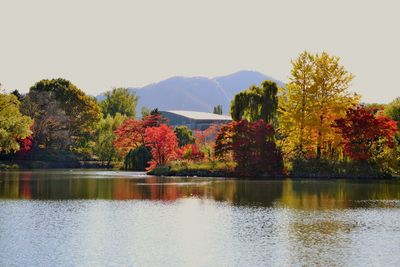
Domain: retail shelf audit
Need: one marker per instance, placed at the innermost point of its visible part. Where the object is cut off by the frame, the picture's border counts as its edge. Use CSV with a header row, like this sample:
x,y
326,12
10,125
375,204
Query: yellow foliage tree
x,y
316,95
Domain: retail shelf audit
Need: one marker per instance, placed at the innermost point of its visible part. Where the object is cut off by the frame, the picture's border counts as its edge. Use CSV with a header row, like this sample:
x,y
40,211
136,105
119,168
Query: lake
x,y
104,218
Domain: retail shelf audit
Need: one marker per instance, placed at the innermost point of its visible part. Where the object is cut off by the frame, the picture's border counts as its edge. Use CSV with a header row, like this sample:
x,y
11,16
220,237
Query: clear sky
x,y
101,44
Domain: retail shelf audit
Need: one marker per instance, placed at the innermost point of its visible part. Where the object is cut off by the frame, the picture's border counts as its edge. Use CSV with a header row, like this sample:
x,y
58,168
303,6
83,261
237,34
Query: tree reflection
x,y
292,193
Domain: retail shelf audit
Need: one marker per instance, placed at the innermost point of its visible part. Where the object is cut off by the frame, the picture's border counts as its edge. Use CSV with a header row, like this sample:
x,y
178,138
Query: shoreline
x,y
164,172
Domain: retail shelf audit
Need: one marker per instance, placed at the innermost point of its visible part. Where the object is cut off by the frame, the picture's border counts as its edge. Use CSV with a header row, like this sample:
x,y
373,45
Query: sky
x,y
102,44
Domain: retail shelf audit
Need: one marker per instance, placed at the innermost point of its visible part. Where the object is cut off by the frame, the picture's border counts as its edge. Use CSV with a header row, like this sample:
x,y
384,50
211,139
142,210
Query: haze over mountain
x,y
196,93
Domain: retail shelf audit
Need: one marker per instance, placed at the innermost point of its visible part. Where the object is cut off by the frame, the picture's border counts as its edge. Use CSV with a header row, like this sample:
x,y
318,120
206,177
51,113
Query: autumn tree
x,y
119,100
191,152
64,117
130,139
364,134
256,103
205,140
14,126
252,147
163,144
129,136
316,95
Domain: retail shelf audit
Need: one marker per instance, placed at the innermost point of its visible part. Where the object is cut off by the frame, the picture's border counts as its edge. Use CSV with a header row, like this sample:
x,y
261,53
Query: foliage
x,y
393,110
323,168
252,147
364,134
25,146
205,140
163,144
137,159
218,110
316,95
104,146
13,125
145,111
184,135
191,152
131,133
154,119
64,117
256,103
119,100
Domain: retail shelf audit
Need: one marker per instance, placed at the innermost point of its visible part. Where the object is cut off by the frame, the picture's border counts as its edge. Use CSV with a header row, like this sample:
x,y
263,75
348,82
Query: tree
x,y
154,119
191,152
138,159
184,135
316,95
145,111
119,100
130,135
252,147
104,147
64,117
205,140
393,110
218,110
163,144
13,125
256,103
364,134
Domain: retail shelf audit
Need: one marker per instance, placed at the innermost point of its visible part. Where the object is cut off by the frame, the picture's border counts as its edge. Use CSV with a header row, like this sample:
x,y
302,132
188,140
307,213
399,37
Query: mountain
x,y
196,93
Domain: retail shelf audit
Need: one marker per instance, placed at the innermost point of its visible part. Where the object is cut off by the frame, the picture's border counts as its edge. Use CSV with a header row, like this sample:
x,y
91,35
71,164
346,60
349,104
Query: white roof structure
x,y
197,115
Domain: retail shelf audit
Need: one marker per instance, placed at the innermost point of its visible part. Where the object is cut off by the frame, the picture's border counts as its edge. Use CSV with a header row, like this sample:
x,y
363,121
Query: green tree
x,y
218,110
256,103
64,117
184,135
145,111
393,110
119,100
13,125
104,144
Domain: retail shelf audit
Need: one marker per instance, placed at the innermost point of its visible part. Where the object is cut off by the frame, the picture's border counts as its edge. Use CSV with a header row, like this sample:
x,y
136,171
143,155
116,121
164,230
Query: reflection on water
x,y
299,194
75,218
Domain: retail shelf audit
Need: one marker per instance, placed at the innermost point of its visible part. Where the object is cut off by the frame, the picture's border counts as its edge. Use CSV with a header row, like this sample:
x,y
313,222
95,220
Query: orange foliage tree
x,y
131,134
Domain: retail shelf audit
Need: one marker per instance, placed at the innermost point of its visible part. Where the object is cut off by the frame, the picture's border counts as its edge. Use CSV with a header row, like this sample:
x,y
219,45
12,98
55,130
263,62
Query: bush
x,y
9,167
314,168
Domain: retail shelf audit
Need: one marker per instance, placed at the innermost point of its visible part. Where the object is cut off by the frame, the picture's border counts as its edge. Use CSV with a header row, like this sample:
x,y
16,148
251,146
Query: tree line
x,y
311,125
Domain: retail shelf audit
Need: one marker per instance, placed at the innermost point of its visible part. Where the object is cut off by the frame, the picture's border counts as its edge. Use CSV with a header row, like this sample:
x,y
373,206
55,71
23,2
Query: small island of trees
x,y
312,127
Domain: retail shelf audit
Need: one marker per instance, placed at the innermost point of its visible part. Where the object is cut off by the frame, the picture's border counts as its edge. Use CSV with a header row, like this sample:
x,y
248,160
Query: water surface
x,y
100,218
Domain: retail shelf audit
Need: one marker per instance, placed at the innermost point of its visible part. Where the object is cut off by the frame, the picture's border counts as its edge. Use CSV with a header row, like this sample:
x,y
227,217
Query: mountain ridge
x,y
196,93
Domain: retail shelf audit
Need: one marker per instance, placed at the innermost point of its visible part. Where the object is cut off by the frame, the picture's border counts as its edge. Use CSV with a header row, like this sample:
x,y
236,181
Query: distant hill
x,y
196,93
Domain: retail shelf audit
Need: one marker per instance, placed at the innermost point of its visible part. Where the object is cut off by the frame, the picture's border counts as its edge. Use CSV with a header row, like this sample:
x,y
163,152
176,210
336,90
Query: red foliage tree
x,y
163,144
155,119
252,146
365,133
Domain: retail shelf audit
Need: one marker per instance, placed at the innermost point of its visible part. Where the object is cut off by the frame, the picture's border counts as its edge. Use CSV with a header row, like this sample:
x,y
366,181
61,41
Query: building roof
x,y
197,115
